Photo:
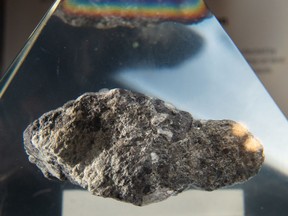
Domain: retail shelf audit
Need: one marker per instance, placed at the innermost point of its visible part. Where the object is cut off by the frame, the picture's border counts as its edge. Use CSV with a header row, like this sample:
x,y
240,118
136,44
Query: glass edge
x,y
12,70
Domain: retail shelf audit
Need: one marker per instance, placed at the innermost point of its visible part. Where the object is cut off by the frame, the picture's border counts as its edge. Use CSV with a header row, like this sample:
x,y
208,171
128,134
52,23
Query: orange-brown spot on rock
x,y
252,145
239,130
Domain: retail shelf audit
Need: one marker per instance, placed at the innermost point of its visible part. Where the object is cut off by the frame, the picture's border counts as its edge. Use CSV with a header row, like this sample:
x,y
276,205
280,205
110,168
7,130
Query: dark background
x,y
17,21
1,31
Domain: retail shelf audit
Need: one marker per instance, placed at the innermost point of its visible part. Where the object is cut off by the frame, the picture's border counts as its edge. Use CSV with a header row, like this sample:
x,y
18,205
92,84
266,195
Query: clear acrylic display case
x,y
194,66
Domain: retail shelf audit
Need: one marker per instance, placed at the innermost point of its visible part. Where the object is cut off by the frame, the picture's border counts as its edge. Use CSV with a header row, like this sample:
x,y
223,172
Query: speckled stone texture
x,y
139,149
103,22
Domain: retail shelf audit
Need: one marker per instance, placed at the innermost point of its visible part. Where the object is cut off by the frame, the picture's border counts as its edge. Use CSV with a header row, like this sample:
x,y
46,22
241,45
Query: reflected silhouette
x,y
164,45
91,54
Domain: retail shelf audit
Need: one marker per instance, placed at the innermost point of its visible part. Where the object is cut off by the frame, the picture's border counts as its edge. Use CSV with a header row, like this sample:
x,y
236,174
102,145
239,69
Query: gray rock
x,y
139,149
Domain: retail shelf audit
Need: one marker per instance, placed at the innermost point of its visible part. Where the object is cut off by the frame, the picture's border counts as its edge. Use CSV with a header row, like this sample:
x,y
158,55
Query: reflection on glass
x,y
194,66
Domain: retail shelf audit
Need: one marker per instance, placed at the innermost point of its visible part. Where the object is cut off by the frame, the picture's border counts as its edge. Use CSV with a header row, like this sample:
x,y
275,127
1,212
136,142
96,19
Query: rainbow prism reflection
x,y
172,10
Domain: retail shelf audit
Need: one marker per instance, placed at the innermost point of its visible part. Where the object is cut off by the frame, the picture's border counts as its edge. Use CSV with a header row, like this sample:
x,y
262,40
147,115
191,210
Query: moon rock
x,y
139,149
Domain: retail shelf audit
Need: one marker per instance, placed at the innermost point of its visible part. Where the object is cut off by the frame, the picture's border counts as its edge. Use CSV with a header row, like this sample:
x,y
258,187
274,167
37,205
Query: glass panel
x,y
194,66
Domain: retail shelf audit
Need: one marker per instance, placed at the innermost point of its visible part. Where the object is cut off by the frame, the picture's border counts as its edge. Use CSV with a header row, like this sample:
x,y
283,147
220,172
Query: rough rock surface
x,y
139,149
